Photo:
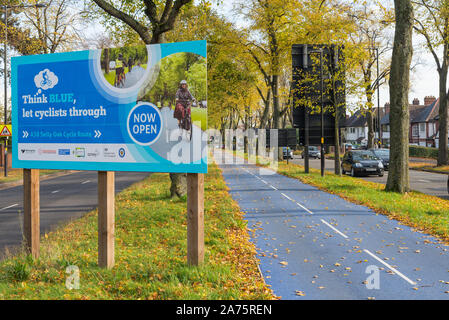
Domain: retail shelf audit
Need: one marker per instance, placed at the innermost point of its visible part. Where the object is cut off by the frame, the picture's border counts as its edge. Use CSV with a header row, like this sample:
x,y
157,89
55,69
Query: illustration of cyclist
x,y
46,80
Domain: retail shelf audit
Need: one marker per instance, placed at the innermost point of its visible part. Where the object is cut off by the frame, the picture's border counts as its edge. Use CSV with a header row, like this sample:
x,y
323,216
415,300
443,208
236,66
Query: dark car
x,y
287,153
384,155
362,162
314,152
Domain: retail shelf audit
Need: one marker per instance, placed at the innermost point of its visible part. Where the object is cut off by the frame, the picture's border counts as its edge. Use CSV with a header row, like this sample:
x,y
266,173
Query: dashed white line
x,y
297,203
304,207
56,191
390,267
287,196
87,181
333,228
11,206
339,232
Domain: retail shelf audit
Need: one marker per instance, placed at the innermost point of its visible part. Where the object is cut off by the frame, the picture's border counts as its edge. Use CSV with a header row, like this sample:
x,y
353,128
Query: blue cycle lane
x,y
316,245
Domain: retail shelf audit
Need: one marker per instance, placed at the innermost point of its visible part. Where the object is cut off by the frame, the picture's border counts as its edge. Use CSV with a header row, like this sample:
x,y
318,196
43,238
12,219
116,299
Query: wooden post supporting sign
x,y
31,208
106,216
195,218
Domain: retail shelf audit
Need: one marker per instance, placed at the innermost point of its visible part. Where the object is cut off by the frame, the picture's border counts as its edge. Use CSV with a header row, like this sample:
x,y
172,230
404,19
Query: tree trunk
x,y
106,60
266,110
276,112
178,184
398,178
443,121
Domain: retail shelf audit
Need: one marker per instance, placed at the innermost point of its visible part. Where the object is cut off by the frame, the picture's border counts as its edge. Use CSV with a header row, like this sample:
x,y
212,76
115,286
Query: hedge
x,y
423,152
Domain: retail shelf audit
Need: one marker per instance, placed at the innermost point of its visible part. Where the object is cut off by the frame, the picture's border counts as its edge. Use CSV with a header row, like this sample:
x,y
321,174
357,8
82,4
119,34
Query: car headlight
x,y
358,165
381,165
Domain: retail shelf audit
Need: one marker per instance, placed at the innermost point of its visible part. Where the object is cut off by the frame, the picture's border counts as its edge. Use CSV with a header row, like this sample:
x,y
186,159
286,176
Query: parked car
x,y
287,153
361,162
384,155
314,152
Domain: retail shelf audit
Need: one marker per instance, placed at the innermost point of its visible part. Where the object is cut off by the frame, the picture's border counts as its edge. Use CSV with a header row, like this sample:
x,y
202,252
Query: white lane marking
x,y
343,235
390,267
333,228
304,208
422,180
87,181
296,203
13,205
56,191
263,181
287,196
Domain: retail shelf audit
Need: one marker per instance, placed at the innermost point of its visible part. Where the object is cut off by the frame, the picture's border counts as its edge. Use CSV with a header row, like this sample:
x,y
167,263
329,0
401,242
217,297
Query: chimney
x,y
416,102
387,108
428,100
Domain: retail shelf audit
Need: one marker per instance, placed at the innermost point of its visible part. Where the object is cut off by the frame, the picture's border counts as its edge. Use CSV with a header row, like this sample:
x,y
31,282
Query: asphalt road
x,y
62,199
315,245
426,182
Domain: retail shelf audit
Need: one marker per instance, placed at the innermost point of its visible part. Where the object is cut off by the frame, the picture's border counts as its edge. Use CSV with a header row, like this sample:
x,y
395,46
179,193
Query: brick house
x,y
423,123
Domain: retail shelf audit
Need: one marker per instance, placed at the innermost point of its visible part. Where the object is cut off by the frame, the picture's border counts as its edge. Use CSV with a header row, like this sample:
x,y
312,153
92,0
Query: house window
x,y
352,130
422,127
415,130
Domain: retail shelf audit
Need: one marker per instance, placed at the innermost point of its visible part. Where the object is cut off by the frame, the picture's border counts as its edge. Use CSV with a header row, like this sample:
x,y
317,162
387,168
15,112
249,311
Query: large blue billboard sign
x,y
122,109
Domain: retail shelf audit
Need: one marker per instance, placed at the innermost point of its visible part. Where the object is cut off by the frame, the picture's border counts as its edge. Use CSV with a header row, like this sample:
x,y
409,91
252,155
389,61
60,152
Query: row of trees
x,y
249,64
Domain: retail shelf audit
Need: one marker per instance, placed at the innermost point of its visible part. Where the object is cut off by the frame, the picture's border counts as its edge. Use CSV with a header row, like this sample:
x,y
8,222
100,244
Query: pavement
x,y
62,199
315,245
434,184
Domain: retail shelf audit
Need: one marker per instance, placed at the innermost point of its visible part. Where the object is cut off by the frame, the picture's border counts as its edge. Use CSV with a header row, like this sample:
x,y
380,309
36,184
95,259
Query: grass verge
x,y
428,167
423,212
150,252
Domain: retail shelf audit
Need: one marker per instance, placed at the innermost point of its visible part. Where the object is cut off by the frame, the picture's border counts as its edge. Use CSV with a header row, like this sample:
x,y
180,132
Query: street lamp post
x,y
5,62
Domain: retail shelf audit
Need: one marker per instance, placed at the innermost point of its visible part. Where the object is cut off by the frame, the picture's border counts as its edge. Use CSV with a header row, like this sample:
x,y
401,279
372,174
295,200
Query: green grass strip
x,y
150,252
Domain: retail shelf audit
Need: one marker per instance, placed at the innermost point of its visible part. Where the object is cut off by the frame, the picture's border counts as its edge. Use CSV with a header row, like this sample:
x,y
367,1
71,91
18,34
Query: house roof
x,y
418,113
358,119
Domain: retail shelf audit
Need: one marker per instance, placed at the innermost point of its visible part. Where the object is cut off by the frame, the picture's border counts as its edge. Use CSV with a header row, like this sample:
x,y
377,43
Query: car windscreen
x,y
359,156
382,153
313,149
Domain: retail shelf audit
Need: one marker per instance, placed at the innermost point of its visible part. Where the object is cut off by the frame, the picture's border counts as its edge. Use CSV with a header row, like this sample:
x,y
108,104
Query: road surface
x,y
62,199
315,245
426,182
